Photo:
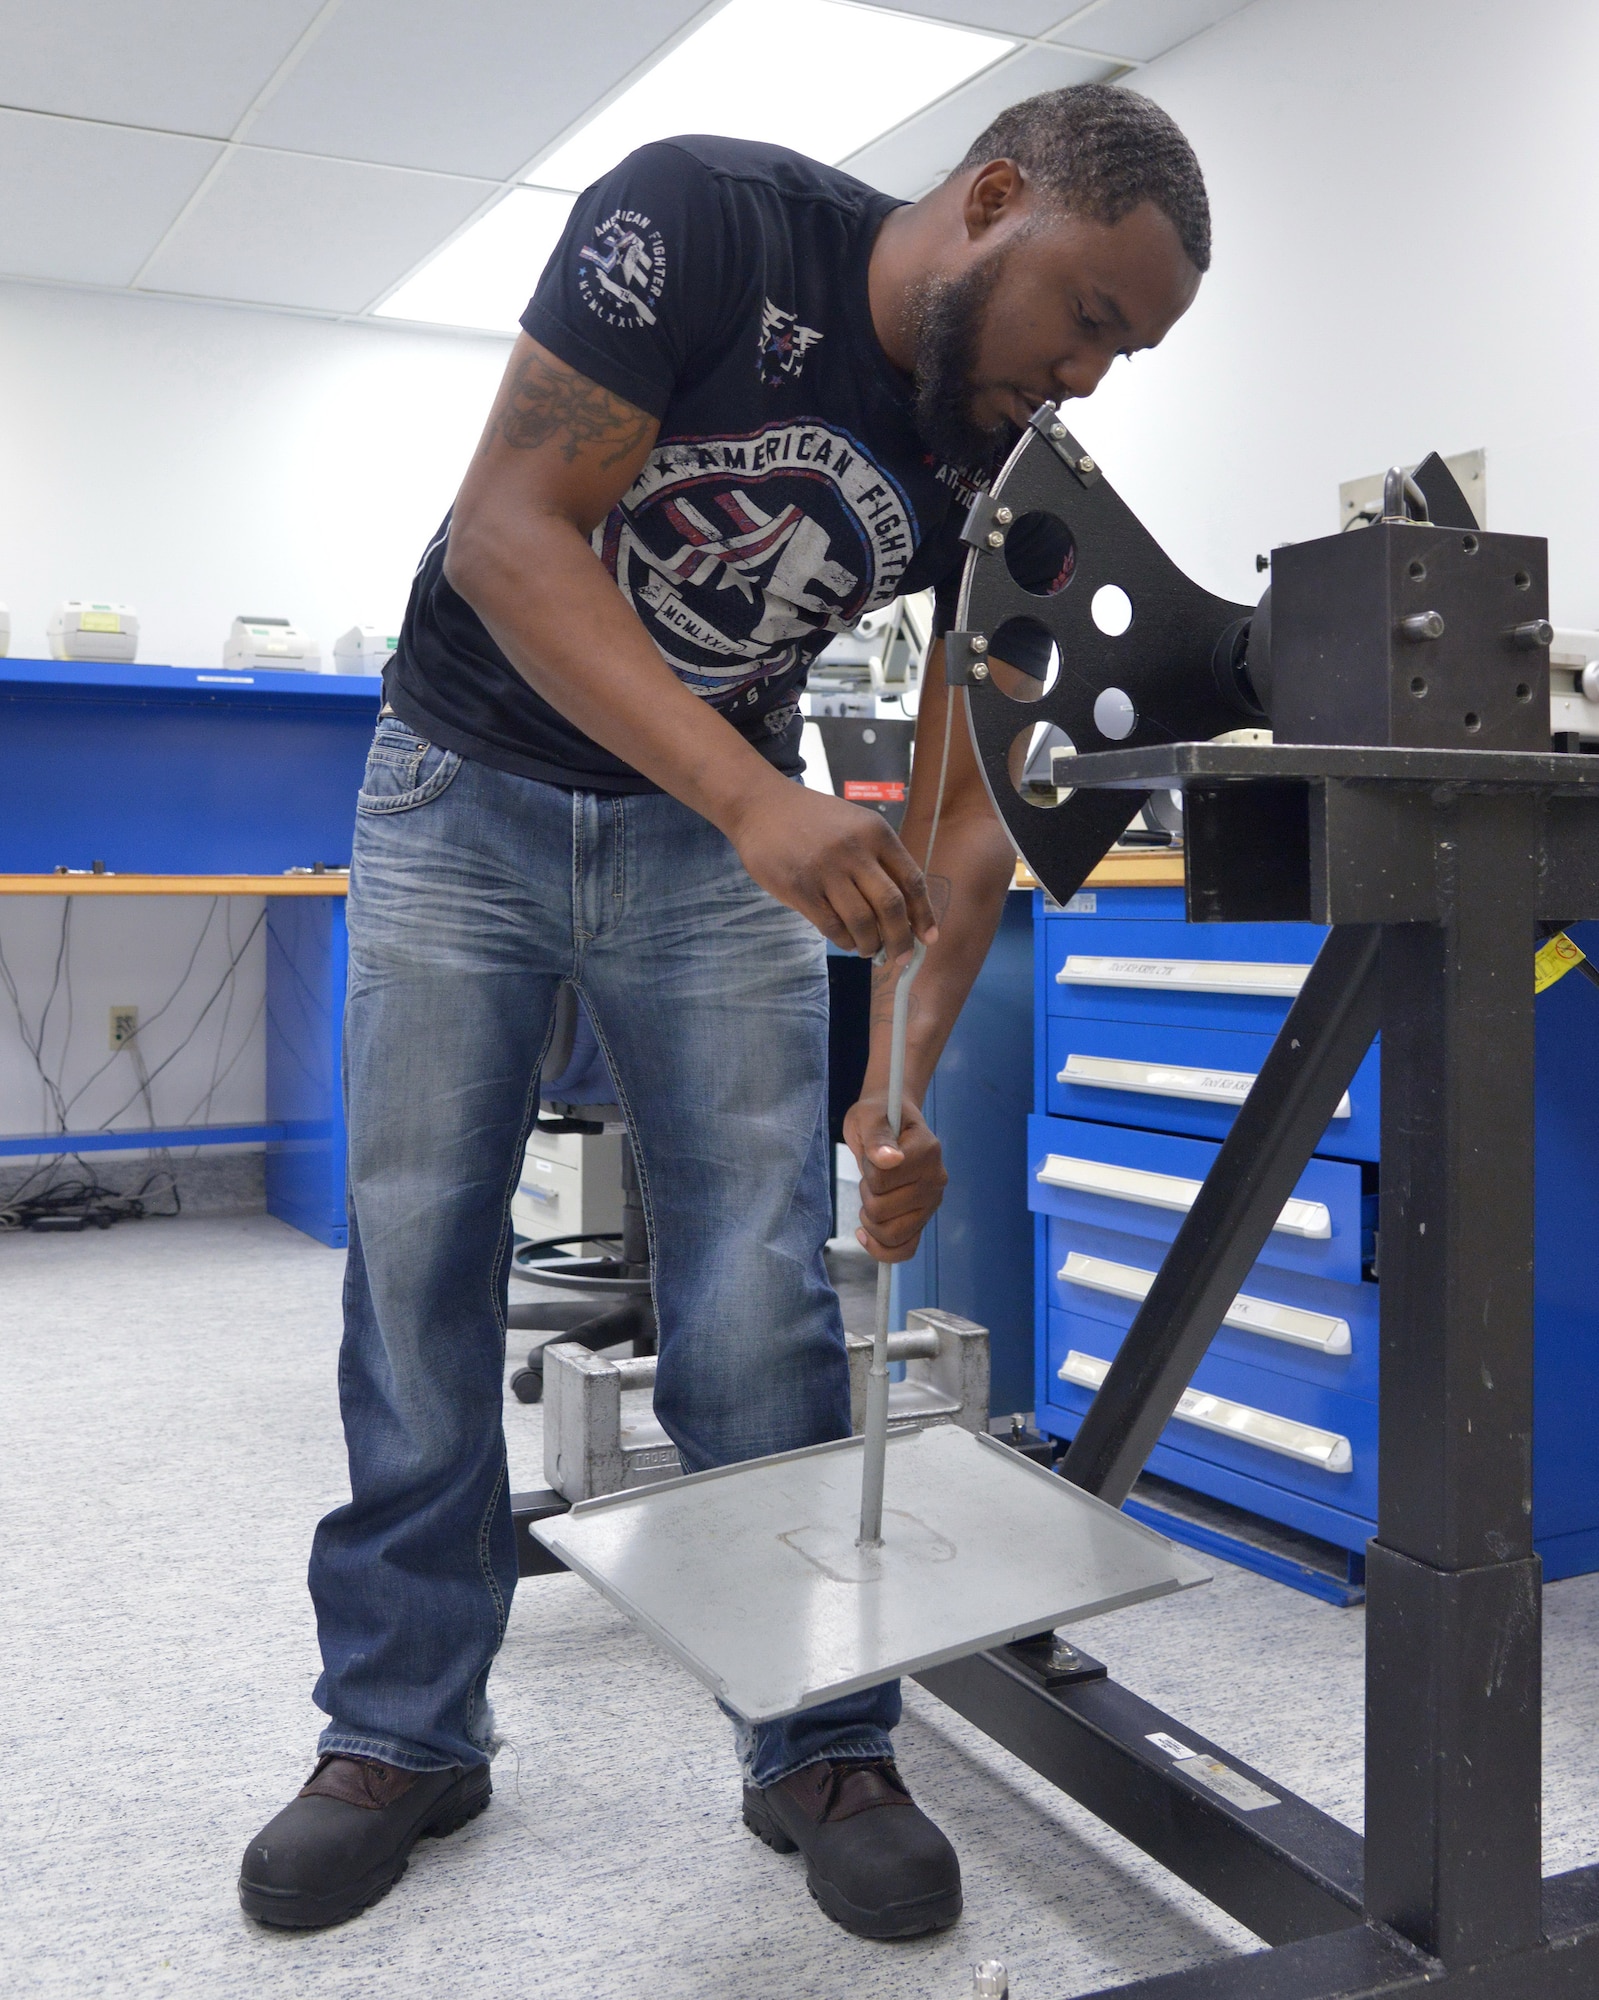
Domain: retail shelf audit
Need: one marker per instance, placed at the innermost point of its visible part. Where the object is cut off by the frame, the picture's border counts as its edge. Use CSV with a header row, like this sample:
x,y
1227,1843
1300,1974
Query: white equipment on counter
x,y
1574,685
83,631
364,649
271,643
5,630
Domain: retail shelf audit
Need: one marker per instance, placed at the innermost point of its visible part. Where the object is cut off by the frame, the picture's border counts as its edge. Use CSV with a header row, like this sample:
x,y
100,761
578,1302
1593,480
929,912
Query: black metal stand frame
x,y
1433,868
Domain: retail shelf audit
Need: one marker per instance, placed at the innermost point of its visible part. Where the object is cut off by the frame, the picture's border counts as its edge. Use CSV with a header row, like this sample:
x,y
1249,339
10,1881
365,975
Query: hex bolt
x,y
1057,430
1003,516
1536,632
1085,463
995,539
979,643
1422,625
979,671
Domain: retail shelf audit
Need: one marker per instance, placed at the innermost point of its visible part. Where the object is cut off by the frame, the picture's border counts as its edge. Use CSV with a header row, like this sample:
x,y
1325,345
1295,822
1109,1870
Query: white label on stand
x,y
1169,1744
1230,1784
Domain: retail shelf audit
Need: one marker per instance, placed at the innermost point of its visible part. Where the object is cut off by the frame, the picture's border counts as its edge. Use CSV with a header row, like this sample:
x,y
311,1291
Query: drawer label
x,y
1202,1086
1185,975
1176,1191
1326,1449
1327,1333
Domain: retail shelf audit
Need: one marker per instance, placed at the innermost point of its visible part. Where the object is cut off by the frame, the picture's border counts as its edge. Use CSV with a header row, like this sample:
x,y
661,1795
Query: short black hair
x,y
1100,150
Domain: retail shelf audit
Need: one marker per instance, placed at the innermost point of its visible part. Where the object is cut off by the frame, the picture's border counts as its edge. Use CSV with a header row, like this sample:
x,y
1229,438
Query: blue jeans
x,y
473,894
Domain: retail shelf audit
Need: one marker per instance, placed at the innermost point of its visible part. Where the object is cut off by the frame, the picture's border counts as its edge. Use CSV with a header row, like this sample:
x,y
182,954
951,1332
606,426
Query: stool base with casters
x,y
618,1305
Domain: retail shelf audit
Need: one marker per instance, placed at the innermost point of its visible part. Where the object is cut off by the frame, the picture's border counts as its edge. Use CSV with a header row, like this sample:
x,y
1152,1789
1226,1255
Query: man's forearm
x,y
970,878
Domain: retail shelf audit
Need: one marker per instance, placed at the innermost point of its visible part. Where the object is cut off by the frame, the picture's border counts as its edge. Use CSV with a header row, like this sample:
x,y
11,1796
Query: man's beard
x,y
951,312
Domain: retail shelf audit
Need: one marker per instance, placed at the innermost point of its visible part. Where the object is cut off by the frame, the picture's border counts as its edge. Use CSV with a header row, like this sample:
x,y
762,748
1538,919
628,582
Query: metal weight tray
x,y
752,1575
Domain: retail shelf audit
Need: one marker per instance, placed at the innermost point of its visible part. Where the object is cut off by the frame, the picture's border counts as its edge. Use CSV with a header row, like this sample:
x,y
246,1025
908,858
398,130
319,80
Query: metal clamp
x,y
965,657
1047,421
601,1434
987,521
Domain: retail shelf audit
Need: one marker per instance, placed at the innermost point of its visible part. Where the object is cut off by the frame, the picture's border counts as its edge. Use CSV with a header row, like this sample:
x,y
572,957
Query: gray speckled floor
x,y
170,1437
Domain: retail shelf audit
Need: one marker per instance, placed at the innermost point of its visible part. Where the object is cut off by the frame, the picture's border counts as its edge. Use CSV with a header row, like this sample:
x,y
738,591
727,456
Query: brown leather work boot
x,y
343,1842
874,1860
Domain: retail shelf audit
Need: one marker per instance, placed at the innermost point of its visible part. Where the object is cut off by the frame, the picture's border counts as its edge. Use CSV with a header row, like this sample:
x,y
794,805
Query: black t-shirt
x,y
721,286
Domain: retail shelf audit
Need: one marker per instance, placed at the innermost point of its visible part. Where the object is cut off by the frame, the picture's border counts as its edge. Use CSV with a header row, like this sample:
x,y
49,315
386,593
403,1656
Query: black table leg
x,y
1452,1584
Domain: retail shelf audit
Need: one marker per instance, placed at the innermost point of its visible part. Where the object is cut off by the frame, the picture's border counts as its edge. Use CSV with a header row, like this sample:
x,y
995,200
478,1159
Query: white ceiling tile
x,y
88,203
1144,29
473,90
280,229
184,65
1010,17
910,159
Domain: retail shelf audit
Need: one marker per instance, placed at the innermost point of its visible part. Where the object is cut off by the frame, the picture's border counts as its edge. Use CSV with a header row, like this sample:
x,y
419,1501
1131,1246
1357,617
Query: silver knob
x,y
1423,625
990,1981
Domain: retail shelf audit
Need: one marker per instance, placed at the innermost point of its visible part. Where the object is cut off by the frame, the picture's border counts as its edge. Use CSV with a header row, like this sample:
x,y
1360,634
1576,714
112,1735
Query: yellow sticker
x,y
1554,960
99,621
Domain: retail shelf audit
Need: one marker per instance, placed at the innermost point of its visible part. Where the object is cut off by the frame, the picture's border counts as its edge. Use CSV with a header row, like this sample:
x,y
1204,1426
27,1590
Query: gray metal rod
x,y
876,1442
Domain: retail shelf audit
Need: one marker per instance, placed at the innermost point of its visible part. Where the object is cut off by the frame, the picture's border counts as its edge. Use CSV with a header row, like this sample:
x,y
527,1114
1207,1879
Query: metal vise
x,y
601,1434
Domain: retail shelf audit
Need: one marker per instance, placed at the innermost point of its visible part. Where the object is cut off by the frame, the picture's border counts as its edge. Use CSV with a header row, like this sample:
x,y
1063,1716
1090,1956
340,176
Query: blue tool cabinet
x,y
1146,1031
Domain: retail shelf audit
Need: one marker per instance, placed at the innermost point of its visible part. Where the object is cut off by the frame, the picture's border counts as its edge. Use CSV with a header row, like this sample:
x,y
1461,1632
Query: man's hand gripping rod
x,y
871,1534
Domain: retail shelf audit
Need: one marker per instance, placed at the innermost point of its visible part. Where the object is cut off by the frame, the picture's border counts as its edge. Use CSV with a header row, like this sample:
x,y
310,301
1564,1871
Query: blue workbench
x,y
178,772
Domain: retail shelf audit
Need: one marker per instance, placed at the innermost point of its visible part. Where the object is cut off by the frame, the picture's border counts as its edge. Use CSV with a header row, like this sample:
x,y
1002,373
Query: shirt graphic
x,y
784,344
743,556
623,273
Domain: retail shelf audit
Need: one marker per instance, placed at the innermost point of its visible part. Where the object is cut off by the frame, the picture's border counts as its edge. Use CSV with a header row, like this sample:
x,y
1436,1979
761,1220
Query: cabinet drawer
x,y
1293,1434
1181,1079
1143,1183
1202,976
1306,1327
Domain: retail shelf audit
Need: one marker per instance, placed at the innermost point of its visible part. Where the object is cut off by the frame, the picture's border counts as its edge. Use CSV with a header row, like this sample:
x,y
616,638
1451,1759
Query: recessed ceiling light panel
x,y
819,75
487,275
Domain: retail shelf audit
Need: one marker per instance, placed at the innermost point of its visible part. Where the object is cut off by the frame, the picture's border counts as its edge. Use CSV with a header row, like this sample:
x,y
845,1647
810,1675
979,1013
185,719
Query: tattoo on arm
x,y
543,405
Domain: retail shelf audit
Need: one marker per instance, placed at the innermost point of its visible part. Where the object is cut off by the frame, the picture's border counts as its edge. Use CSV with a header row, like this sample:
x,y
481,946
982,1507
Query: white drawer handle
x,y
1203,1086
1310,1446
1185,975
546,1197
1324,1332
1298,1218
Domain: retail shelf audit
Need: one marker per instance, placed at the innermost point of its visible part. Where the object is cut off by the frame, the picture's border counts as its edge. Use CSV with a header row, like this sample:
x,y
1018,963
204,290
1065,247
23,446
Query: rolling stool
x,y
617,1304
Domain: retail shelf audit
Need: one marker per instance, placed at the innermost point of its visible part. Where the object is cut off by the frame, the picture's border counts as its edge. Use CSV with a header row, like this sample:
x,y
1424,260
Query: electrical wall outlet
x,y
124,1026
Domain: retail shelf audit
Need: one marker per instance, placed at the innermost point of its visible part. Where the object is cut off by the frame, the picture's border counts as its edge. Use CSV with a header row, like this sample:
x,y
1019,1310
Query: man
x,y
752,401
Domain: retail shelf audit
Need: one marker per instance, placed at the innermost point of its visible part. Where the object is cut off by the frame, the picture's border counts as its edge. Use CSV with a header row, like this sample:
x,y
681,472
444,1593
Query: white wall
x,y
198,462
1406,204
123,951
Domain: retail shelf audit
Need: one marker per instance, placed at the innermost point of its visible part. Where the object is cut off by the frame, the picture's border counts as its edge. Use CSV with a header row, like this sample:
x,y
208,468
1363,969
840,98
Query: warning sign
x,y
1554,960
